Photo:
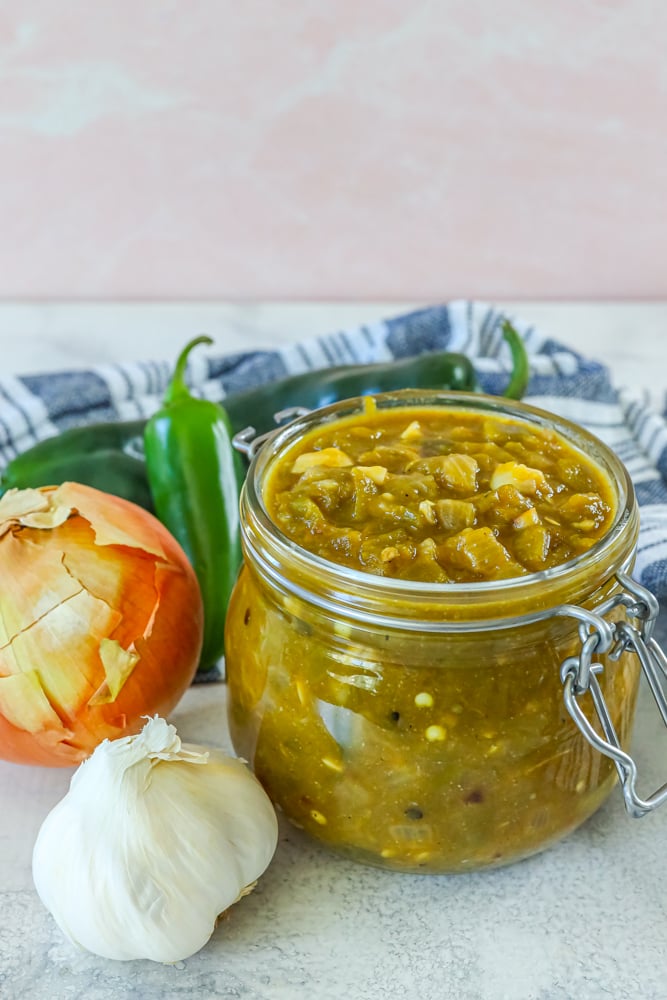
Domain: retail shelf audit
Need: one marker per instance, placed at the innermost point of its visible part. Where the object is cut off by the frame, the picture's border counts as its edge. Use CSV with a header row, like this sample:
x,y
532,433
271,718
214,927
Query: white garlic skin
x,y
152,842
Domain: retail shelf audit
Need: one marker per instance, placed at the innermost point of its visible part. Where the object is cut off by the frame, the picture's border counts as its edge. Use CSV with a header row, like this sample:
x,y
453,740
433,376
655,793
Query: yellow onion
x,y
100,622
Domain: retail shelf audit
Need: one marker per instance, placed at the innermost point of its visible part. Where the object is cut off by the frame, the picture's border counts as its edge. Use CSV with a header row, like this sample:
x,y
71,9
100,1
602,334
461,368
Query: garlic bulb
x,y
152,842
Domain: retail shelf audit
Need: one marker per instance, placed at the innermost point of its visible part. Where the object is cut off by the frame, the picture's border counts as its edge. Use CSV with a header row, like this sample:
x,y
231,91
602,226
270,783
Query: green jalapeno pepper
x,y
193,472
71,456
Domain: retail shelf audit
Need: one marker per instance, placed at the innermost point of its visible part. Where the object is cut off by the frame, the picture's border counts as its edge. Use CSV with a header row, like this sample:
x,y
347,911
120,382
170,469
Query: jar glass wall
x,y
413,726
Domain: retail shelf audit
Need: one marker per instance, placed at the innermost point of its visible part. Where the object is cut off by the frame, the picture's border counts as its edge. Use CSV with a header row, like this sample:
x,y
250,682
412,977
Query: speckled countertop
x,y
583,920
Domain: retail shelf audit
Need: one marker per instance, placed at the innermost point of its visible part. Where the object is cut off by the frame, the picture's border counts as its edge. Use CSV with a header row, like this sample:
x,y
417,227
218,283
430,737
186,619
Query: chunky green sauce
x,y
439,495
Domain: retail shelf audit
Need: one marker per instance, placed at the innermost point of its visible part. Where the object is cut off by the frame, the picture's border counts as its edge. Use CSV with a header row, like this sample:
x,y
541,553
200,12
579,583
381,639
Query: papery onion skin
x,y
59,673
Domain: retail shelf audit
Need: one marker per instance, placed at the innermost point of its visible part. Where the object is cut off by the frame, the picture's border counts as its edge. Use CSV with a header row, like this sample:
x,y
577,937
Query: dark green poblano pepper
x,y
105,456
312,389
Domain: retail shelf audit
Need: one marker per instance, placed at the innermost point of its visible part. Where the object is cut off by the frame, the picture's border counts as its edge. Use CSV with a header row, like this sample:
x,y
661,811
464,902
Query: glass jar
x,y
423,727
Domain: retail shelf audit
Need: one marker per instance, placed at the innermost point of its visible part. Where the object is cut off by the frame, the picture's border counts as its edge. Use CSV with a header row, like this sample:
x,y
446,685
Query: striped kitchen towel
x,y
33,407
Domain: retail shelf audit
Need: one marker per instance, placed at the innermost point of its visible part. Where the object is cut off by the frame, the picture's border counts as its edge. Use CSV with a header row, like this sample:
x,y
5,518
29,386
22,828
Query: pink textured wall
x,y
331,148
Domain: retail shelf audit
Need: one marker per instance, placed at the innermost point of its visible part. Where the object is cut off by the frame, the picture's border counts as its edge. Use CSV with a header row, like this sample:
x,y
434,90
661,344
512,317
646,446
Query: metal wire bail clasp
x,y
579,677
248,441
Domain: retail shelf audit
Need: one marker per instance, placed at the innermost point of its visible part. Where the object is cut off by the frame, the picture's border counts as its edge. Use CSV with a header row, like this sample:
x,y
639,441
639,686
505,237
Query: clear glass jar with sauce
x,y
430,727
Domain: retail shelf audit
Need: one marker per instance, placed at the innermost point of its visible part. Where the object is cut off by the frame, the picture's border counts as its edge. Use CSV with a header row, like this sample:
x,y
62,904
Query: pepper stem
x,y
178,387
520,367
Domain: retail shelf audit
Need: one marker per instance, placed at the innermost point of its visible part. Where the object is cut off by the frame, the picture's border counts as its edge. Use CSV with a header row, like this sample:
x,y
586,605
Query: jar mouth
x,y
615,548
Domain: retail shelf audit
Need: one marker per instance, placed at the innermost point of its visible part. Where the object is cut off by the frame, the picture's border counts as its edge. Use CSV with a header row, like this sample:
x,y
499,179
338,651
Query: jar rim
x,y
307,564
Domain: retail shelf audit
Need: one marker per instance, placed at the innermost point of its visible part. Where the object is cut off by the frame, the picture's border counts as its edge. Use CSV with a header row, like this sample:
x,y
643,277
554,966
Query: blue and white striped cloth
x,y
33,407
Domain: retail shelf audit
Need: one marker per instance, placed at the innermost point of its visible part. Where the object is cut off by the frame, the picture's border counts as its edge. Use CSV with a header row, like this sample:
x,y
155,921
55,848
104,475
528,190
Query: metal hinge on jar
x,y
579,677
